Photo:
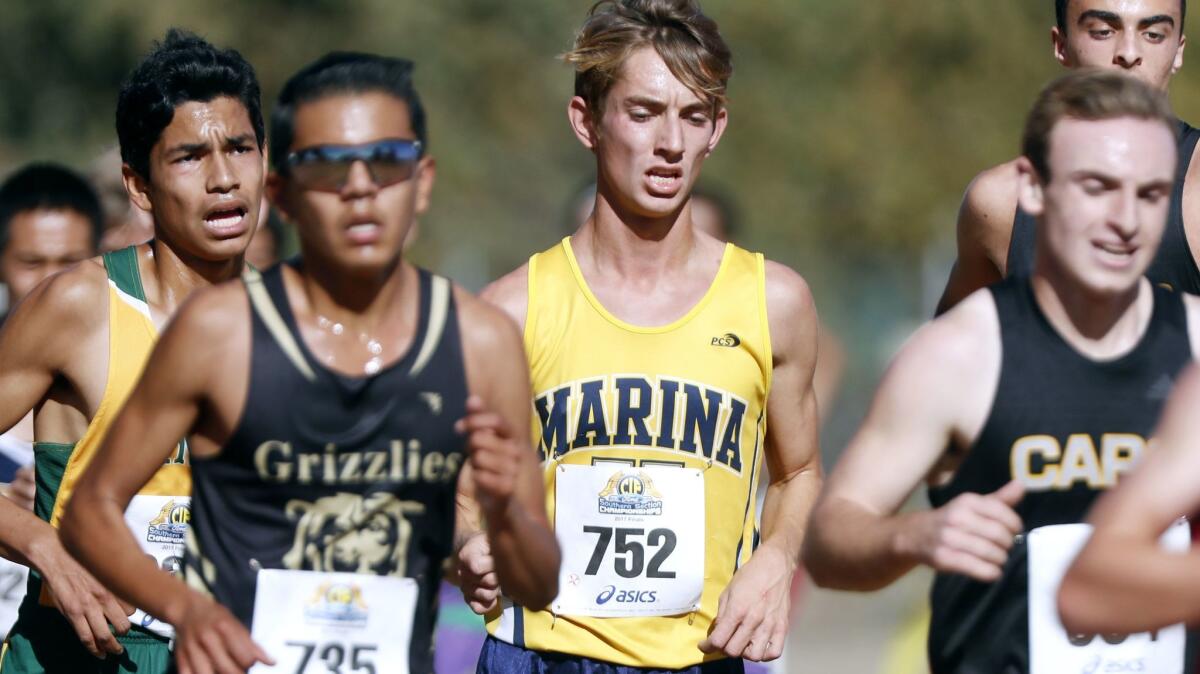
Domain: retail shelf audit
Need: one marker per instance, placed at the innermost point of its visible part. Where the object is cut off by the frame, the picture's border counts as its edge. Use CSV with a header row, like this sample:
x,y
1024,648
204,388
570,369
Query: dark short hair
x,y
51,187
180,69
687,40
338,73
1060,14
1092,95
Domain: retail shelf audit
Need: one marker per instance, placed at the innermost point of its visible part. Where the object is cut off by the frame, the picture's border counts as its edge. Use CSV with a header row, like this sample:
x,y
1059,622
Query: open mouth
x,y
225,219
364,232
664,179
1116,254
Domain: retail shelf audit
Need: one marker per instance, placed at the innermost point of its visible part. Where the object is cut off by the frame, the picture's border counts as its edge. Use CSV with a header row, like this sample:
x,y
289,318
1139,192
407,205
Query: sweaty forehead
x,y
645,74
1126,9
349,119
1124,148
199,121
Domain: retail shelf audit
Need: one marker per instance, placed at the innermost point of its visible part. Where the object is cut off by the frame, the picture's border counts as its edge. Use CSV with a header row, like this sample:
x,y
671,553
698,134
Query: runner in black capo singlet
x,y
1026,402
335,406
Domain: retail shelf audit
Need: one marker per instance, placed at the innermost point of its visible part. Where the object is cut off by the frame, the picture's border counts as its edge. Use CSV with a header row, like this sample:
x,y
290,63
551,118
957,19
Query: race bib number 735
x,y
314,622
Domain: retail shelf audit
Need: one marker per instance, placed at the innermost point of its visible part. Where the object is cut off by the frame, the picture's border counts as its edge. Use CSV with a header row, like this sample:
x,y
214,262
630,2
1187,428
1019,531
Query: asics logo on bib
x,y
635,411
728,339
1042,464
611,593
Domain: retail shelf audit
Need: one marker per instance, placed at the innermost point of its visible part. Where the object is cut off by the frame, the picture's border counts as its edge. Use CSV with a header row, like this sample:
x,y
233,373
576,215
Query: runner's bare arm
x,y
55,333
503,475
937,391
983,232
1122,582
175,398
474,568
752,613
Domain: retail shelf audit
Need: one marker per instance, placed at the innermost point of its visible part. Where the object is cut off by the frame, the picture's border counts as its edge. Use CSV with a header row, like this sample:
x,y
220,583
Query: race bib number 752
x,y
632,540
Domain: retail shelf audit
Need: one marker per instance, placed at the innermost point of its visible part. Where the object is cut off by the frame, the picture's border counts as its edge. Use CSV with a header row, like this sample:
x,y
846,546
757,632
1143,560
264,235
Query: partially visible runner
x,y
356,395
1140,38
191,135
668,368
1124,581
50,219
1028,400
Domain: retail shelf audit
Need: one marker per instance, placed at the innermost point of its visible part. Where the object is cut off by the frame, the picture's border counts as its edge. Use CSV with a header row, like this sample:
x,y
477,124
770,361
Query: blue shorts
x,y
498,657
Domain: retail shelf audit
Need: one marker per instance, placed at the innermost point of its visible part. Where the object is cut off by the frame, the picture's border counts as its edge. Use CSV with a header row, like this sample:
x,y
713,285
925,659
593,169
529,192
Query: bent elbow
x,y
70,530
1076,608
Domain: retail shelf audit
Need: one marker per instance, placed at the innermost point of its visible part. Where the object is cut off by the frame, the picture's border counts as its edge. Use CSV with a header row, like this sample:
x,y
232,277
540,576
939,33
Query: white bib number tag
x,y
1053,651
159,523
632,540
312,622
13,577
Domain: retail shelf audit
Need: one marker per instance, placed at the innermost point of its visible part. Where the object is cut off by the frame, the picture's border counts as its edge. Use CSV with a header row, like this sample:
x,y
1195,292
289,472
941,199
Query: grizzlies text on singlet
x,y
1067,427
58,466
327,472
1173,265
654,420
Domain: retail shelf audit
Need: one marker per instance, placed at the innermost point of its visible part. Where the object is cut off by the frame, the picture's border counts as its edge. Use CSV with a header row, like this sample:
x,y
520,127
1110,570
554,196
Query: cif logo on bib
x,y
170,524
339,604
629,493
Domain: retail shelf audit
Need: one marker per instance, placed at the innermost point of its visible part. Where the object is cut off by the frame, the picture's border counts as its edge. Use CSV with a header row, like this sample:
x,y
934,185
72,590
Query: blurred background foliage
x,y
855,126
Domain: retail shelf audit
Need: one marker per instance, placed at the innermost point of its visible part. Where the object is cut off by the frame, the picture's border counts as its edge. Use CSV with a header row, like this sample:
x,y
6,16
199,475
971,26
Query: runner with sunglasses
x,y
355,395
191,134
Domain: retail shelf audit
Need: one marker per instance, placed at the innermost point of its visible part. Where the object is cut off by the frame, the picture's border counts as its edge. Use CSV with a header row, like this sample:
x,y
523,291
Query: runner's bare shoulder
x,y
510,293
63,311
986,218
487,329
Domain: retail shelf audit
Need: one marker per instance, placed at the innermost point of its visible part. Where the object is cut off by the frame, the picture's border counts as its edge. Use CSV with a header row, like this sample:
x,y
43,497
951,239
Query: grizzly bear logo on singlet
x,y
352,533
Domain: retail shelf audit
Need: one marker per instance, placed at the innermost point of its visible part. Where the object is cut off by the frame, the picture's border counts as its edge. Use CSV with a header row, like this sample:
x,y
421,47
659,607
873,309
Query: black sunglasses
x,y
325,167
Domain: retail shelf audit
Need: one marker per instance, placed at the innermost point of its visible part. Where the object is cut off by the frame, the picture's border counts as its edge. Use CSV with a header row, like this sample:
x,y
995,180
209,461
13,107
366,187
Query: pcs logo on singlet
x,y
629,493
339,604
170,524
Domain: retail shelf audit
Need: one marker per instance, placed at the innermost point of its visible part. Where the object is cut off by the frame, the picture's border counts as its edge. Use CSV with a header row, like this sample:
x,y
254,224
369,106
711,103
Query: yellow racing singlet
x,y
652,442
131,338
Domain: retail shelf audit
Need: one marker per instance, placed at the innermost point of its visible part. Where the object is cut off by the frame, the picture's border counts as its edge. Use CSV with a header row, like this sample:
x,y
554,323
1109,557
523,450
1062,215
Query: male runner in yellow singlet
x,y
191,134
668,368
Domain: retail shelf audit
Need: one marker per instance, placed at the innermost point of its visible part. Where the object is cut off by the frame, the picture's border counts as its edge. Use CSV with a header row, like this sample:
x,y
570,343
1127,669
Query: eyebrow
x,y
1115,19
242,139
644,101
188,148
1156,19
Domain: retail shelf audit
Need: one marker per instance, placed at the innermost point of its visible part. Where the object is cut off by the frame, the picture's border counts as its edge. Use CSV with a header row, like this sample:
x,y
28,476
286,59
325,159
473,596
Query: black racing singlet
x,y
1067,427
328,472
1172,265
